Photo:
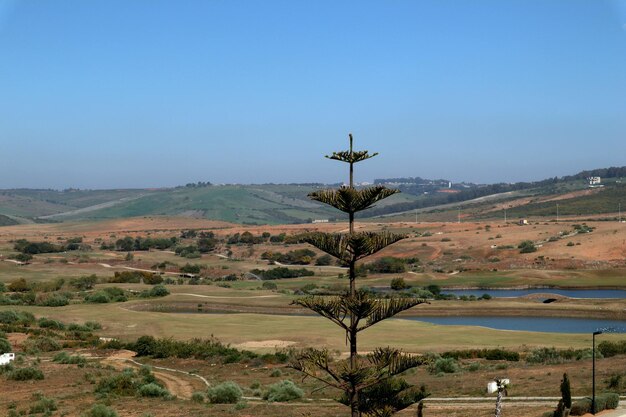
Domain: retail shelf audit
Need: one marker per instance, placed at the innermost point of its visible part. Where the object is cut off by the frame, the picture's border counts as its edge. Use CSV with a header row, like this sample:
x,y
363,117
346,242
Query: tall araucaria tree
x,y
369,383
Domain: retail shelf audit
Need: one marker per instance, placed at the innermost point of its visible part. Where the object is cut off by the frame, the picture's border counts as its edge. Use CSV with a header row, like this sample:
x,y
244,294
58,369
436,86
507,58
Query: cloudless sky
x,y
150,93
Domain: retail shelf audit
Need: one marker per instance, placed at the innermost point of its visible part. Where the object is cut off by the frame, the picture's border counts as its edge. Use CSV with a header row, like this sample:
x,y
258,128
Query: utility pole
x,y
593,372
505,215
619,208
459,215
557,212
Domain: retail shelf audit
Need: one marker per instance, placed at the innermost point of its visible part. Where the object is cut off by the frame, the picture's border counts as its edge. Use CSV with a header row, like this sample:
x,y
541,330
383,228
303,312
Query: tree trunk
x,y
499,403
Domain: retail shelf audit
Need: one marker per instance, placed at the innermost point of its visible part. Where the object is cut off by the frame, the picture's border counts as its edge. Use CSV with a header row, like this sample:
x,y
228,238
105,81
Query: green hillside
x,y
261,204
7,221
288,203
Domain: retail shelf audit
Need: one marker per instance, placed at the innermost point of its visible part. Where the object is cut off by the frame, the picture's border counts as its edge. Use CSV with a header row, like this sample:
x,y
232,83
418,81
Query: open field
x,y
239,311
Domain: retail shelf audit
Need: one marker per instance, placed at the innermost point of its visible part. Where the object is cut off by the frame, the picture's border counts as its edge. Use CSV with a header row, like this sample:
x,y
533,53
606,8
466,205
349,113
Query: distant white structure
x,y
523,222
320,221
594,181
5,358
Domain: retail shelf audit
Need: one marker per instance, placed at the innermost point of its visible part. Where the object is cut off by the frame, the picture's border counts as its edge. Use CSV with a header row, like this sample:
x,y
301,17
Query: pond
x,y
520,293
532,324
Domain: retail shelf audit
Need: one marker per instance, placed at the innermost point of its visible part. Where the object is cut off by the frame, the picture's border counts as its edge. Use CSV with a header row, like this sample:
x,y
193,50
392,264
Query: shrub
x,y
276,373
99,297
225,393
604,401
93,325
100,410
527,246
67,359
123,384
16,317
283,391
610,349
85,282
268,285
544,355
5,346
398,284
197,397
445,365
42,404
46,323
473,367
34,345
153,390
159,291
25,374
54,300
282,273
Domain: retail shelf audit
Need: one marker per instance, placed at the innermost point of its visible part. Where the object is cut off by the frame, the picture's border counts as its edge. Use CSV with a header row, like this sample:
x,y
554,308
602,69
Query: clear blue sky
x,y
101,94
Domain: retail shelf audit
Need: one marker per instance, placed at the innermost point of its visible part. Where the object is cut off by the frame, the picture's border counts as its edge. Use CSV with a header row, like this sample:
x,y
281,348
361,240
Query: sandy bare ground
x,y
265,344
227,297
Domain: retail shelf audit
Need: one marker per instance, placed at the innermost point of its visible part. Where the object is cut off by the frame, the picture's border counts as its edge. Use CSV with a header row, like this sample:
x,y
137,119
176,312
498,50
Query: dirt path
x,y
177,385
218,296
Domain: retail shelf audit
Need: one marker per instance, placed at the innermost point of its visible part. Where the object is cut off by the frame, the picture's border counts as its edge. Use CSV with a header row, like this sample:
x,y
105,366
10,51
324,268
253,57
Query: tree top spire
x,y
350,156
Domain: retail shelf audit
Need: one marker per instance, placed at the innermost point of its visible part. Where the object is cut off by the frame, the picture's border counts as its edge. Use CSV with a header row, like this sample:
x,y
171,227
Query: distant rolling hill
x,y
288,203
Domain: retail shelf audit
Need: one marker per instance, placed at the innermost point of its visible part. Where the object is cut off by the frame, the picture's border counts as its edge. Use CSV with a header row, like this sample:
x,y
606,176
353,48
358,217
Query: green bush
x,y
152,390
54,300
156,291
34,345
100,410
46,323
610,349
489,354
445,365
225,393
398,284
5,346
197,397
42,404
122,384
25,374
194,348
544,355
99,297
16,317
268,285
605,401
527,246
67,359
283,391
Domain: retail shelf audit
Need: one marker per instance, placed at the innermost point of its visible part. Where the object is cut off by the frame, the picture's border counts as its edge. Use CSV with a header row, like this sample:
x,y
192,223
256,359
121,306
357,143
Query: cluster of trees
x,y
139,243
33,248
390,265
282,273
135,277
294,257
247,238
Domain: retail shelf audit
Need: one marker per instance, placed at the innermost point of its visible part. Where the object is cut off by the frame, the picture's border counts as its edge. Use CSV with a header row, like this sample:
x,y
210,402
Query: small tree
x,y
566,392
369,384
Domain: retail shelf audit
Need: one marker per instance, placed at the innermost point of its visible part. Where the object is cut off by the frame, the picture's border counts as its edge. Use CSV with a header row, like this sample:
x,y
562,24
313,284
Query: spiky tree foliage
x,y
369,383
